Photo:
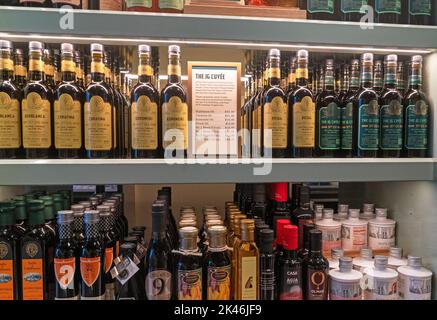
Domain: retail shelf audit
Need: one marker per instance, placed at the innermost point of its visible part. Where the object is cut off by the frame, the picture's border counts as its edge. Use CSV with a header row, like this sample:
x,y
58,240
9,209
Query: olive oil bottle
x,y
49,68
20,70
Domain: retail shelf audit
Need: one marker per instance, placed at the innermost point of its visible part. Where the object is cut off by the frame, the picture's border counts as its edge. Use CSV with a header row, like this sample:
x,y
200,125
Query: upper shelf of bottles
x,y
111,27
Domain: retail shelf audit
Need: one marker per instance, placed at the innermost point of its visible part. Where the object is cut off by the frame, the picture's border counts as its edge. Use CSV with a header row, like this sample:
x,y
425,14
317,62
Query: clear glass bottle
x,y
382,231
415,281
342,212
344,282
395,259
331,232
354,232
380,282
364,260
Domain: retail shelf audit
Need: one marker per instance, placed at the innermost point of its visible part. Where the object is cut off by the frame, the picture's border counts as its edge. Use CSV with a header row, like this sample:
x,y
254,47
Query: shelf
x,y
109,27
67,172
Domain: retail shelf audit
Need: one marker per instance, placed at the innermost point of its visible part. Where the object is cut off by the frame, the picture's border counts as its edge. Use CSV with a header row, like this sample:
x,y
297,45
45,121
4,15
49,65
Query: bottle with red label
x,y
303,214
92,260
8,253
66,259
36,256
280,208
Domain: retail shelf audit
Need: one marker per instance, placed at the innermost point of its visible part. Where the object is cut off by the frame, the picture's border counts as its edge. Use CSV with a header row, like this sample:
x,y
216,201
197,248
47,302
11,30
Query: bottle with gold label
x,y
10,121
37,109
49,68
174,109
98,110
68,109
275,128
247,263
20,70
303,111
144,111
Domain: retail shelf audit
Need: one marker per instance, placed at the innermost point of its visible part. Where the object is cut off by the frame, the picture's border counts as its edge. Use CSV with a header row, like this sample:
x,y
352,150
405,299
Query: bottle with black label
x,y
328,118
159,262
21,222
303,214
9,253
275,114
36,256
174,109
217,266
37,109
350,10
416,114
303,111
388,11
66,263
10,96
267,265
365,142
321,9
92,260
68,109
391,112
144,111
98,110
133,289
303,252
315,270
20,70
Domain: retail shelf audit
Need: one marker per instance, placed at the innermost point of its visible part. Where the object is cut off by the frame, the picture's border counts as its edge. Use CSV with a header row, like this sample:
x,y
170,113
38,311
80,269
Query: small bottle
x,y
267,265
20,70
344,282
415,281
343,210
318,212
381,283
381,231
364,260
354,232
336,254
279,209
331,231
368,212
395,259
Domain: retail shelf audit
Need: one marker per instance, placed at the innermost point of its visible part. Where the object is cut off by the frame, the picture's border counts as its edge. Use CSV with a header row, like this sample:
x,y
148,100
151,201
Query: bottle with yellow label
x,y
37,108
10,122
303,111
274,116
20,70
98,110
68,109
174,109
144,112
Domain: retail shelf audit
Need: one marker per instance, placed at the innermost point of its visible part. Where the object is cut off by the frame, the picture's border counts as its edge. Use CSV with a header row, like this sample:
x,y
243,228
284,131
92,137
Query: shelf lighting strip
x,y
132,41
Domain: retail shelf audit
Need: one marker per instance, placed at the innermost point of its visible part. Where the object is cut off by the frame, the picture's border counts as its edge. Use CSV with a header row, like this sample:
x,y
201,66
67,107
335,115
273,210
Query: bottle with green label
x,y
418,12
321,9
416,114
388,11
350,10
328,116
365,141
172,6
391,112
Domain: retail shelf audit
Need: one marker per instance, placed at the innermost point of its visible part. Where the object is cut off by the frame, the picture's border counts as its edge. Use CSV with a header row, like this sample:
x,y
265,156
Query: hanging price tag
x,y
124,270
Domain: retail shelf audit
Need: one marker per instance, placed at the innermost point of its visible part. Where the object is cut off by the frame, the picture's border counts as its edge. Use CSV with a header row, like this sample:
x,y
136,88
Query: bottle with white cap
x,y
276,142
353,232
331,232
174,109
368,211
381,231
10,126
344,282
336,254
366,122
343,210
364,260
395,259
145,138
391,115
380,282
415,281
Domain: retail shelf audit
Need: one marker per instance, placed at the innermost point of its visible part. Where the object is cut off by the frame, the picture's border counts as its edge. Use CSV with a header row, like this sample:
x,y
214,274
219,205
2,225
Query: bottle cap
x,y
415,262
48,200
127,249
7,214
280,224
274,53
266,238
35,46
355,62
304,192
67,47
247,229
315,240
416,59
368,207
96,47
302,54
354,213
381,262
143,48
65,217
366,253
381,213
5,45
188,238
329,62
158,217
319,208
391,58
173,49
343,209
217,236
328,213
131,239
85,204
367,57
337,253
396,252
91,217
345,264
291,236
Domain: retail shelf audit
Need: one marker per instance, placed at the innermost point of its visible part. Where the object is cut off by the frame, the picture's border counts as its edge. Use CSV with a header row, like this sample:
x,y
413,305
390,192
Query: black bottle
x,y
35,3
303,252
37,108
159,261
388,11
416,114
145,138
344,83
259,206
328,119
9,256
365,142
290,285
275,114
303,214
92,260
321,10
267,265
418,12
21,222
391,112
66,260
378,76
133,289
315,270
303,111
10,98
350,9
20,70
49,215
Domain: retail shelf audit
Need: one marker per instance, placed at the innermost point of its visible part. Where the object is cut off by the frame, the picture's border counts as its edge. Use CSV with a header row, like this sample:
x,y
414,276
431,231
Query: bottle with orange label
x,y
36,256
66,259
110,244
92,260
8,253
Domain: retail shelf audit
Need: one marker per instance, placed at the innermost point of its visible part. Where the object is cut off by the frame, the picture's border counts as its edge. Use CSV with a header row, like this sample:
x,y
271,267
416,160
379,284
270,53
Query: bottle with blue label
x,y
416,114
365,141
391,112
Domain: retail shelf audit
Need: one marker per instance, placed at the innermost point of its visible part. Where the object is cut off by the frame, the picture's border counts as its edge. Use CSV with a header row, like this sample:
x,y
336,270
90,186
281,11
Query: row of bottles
x,y
370,115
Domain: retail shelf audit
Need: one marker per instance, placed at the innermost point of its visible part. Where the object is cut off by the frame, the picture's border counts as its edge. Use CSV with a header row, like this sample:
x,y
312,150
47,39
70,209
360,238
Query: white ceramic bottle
x,y
354,232
395,259
380,282
343,210
381,231
344,282
415,281
368,211
331,232
318,211
364,260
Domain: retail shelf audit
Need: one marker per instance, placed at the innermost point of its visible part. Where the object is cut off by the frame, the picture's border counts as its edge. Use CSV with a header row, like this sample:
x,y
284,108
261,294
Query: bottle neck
x,y
91,230
415,79
145,70
355,78
302,74
329,79
367,75
159,235
390,76
65,231
174,69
